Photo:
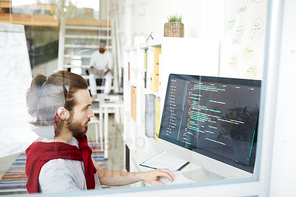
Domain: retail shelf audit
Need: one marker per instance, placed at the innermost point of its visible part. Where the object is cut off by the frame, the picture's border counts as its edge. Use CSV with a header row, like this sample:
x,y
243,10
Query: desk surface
x,y
140,158
112,98
101,106
99,101
117,103
191,171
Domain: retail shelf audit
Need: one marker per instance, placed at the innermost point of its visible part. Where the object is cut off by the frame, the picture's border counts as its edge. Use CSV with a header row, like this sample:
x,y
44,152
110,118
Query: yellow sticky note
x,y
251,72
233,61
248,52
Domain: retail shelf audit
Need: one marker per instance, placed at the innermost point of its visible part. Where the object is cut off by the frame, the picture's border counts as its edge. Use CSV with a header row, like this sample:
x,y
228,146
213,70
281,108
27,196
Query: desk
x,y
191,171
103,107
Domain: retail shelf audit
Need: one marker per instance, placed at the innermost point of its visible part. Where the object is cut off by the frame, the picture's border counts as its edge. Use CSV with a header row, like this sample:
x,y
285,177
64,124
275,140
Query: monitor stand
x,y
201,175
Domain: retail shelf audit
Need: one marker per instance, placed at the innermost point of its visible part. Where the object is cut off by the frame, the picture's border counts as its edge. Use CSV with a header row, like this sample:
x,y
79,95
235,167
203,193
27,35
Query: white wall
x,y
283,171
212,26
146,15
136,18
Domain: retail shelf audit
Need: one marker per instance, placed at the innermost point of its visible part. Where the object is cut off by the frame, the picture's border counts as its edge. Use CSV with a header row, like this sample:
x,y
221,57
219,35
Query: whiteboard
x,y
242,50
15,74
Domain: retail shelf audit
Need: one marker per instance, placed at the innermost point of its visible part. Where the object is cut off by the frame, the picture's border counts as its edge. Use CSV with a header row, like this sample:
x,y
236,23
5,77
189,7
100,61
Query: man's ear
x,y
63,113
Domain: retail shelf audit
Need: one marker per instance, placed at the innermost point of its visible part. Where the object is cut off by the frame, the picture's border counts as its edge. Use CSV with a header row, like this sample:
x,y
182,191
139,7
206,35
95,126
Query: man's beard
x,y
102,50
77,128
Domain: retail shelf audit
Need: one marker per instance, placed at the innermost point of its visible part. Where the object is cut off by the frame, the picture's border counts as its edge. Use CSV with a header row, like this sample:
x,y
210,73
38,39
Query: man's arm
x,y
109,63
105,73
116,178
92,60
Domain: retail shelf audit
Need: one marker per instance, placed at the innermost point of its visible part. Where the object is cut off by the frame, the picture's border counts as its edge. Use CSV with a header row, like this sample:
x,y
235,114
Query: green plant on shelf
x,y
174,18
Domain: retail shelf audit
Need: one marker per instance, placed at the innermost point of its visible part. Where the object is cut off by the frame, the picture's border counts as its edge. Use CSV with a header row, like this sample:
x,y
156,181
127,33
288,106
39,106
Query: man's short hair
x,y
47,94
102,41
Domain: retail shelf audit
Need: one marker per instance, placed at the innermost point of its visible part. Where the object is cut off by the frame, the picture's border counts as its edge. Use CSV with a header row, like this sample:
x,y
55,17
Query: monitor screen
x,y
213,116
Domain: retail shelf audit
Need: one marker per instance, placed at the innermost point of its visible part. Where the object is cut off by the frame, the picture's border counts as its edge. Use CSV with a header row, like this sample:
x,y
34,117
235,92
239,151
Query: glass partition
x,y
65,61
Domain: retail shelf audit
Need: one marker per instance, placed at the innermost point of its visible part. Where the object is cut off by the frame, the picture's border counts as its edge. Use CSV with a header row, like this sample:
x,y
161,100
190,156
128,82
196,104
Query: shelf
x,y
130,83
82,66
29,20
87,76
151,43
87,22
82,56
89,28
101,87
5,4
157,94
52,20
88,37
128,114
131,48
134,84
85,46
170,61
50,7
72,66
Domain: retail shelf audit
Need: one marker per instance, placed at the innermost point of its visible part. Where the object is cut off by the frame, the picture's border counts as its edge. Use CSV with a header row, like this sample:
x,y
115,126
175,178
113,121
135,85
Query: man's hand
x,y
106,72
117,178
151,176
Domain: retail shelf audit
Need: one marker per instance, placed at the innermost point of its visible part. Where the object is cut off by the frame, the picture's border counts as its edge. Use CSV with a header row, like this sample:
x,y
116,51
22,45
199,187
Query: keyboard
x,y
179,178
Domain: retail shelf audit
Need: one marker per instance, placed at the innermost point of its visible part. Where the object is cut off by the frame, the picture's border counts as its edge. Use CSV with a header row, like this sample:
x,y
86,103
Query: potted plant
x,y
174,27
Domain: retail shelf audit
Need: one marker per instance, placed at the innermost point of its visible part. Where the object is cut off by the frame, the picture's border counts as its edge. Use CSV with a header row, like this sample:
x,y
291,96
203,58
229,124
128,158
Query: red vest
x,y
39,153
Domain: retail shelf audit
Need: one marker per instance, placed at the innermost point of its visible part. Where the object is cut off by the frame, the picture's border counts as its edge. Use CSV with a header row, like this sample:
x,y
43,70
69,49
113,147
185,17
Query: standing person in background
x,y
101,65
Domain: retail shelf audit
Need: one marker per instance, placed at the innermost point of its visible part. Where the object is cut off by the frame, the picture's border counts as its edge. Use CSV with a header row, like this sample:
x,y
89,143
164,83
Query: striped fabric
x,y
14,180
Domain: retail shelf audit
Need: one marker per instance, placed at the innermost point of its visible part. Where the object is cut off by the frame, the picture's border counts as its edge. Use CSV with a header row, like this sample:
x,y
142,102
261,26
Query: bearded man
x,y
65,163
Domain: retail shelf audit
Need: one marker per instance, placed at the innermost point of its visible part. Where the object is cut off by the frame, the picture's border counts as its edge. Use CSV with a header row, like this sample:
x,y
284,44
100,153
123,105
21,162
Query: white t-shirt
x,y
101,61
60,175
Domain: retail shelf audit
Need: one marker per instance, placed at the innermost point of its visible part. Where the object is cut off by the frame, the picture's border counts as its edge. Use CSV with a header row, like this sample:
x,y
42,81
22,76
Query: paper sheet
x,y
233,61
165,160
251,72
249,51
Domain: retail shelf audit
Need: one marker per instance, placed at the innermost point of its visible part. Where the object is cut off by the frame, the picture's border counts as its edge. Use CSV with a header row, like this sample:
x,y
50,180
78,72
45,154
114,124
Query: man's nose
x,y
91,114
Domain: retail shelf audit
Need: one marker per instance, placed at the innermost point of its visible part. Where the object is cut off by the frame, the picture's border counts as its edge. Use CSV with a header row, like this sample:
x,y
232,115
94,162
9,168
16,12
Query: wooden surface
x,y
5,4
44,20
87,22
38,20
29,20
52,8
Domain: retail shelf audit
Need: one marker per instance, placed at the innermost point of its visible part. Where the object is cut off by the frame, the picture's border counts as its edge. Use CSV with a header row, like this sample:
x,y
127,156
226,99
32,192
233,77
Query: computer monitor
x,y
212,122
